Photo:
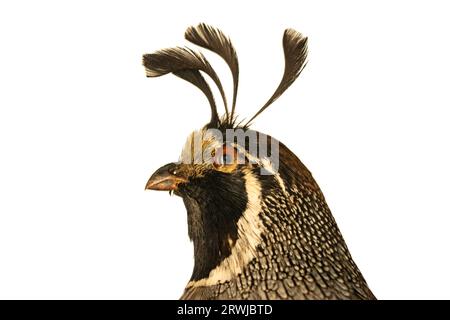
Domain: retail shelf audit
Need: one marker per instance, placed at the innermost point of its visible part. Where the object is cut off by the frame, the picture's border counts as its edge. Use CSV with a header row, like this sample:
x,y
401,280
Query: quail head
x,y
259,223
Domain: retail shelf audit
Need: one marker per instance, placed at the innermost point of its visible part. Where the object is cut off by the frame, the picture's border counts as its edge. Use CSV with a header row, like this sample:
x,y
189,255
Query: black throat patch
x,y
214,204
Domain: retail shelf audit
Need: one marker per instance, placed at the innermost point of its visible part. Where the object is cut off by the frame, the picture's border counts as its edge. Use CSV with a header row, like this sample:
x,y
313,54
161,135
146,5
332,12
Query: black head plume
x,y
295,47
186,64
215,40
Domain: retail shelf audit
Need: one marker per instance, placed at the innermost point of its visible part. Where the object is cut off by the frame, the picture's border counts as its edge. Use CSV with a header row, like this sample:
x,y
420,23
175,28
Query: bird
x,y
259,223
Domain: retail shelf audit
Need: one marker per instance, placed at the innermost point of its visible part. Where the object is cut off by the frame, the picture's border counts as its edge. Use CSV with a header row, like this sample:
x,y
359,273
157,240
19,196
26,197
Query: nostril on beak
x,y
165,178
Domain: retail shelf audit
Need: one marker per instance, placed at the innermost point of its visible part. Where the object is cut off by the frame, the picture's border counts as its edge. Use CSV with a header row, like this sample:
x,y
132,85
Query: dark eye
x,y
225,156
227,159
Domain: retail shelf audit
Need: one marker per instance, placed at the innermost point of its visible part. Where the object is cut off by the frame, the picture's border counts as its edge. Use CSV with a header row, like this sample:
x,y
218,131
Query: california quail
x,y
260,225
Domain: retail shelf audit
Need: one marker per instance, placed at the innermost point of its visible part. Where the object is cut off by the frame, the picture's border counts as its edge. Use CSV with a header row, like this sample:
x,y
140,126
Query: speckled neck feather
x,y
302,254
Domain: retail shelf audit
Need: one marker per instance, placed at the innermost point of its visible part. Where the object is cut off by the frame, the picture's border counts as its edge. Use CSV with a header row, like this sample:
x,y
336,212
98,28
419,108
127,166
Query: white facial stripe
x,y
202,144
250,228
199,147
281,183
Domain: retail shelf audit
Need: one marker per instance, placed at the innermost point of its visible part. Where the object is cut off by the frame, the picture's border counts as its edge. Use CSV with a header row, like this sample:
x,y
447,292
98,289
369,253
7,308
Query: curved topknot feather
x,y
295,47
186,64
215,40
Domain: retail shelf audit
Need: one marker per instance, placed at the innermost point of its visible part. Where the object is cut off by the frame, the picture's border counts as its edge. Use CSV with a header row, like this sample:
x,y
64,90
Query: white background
x,y
82,129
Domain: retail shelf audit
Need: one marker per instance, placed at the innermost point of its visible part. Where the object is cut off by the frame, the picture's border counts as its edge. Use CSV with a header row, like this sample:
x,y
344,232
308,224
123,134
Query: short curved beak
x,y
165,178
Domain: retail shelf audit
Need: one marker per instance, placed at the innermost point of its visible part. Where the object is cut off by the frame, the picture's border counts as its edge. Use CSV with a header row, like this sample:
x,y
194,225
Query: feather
x,y
195,77
295,47
215,40
187,65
